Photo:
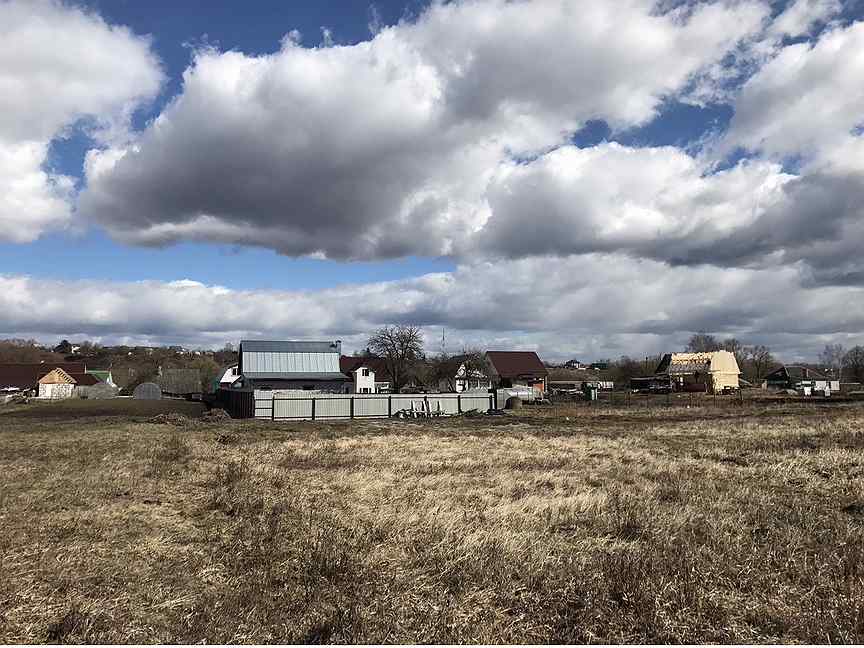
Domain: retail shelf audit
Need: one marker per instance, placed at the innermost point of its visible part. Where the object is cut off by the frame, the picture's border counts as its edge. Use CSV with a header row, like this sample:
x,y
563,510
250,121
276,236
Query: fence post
x,y
313,408
389,406
272,406
426,403
458,403
352,407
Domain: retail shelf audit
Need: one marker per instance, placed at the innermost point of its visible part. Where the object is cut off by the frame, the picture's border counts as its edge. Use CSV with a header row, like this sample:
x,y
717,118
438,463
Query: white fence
x,y
291,405
526,394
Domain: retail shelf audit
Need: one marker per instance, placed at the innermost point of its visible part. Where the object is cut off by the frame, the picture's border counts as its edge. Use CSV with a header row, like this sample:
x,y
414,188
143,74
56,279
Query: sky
x,y
582,179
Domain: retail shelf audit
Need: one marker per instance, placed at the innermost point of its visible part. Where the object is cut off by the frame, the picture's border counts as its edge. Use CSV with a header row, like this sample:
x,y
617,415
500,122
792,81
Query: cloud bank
x,y
597,304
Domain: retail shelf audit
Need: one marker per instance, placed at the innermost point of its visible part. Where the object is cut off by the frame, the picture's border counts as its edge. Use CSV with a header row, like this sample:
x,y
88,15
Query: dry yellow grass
x,y
678,525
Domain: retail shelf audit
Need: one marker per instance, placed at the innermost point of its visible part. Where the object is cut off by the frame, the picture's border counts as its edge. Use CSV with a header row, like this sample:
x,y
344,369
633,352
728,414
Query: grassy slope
x,y
583,525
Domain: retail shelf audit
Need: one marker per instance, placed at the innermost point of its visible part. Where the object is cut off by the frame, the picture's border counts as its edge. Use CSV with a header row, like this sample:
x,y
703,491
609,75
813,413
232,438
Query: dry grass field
x,y
573,525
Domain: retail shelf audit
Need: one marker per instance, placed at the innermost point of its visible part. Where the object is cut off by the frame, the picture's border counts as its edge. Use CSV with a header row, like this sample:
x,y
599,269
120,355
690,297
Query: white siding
x,y
362,382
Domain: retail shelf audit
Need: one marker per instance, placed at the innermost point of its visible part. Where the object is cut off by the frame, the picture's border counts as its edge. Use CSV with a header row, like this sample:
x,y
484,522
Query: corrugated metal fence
x,y
281,406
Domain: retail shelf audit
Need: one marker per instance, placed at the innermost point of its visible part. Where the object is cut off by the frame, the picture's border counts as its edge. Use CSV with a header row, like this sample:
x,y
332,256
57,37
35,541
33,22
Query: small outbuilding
x,y
147,391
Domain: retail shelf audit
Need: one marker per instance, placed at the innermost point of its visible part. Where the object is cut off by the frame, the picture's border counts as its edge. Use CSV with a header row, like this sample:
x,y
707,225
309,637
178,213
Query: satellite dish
x,y
147,391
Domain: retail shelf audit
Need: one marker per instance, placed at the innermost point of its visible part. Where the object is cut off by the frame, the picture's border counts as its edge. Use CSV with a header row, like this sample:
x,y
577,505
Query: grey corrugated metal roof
x,y
278,362
288,346
319,375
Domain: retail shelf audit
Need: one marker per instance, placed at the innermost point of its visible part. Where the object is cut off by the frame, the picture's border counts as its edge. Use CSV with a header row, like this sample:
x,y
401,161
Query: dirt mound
x,y
170,418
216,415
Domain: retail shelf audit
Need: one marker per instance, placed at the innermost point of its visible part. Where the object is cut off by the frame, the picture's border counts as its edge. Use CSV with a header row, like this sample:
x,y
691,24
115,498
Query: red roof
x,y
516,364
26,375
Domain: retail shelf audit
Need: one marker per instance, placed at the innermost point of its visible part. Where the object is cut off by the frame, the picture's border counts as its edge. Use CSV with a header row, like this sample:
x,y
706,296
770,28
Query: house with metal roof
x,y
290,365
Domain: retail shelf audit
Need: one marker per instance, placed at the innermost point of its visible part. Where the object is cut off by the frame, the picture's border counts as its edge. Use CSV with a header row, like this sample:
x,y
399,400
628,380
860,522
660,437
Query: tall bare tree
x,y
853,362
401,347
703,342
736,348
760,360
832,356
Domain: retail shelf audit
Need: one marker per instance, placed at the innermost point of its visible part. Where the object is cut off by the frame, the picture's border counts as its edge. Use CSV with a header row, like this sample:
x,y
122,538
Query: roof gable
x,y
513,364
57,377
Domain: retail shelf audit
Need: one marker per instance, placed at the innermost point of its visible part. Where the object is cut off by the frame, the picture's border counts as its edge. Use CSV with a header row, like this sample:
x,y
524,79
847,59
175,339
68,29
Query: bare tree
x,y
760,360
401,347
443,369
832,356
703,342
853,361
736,348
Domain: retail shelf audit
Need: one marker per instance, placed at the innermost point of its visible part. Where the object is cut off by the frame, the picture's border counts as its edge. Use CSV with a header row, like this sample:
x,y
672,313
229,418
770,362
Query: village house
x,y
715,371
290,365
45,380
517,369
366,374
463,373
795,377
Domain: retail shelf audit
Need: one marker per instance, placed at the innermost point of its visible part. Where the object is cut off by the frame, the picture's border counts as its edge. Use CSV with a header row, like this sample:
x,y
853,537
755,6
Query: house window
x,y
233,371
365,390
365,372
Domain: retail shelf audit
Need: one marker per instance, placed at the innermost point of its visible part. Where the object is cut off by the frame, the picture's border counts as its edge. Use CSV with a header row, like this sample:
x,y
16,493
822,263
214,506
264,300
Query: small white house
x,y
364,380
368,375
471,379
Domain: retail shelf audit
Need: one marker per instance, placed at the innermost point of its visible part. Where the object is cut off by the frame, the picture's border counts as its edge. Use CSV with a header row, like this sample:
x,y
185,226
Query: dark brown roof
x,y
349,364
795,372
515,364
84,379
26,375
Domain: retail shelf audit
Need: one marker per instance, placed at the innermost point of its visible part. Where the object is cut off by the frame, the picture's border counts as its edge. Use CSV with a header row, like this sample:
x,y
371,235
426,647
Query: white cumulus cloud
x,y
59,65
386,148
